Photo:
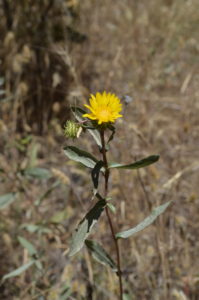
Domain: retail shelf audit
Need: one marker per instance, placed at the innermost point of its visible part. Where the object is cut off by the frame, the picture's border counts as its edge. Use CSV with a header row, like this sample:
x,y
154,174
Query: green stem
x,y
106,177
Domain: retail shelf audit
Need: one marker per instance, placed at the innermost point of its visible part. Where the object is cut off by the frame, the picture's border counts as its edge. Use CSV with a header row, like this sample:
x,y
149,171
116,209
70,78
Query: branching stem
x,y
106,177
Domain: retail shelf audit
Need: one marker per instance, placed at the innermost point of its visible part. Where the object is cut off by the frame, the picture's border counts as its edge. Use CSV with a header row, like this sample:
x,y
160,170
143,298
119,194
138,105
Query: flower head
x,y
104,108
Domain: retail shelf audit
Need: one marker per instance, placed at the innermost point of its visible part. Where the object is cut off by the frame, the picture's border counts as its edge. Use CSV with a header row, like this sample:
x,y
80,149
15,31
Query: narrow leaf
x,y
47,193
148,221
100,254
95,134
138,164
39,173
65,292
81,156
35,228
38,264
18,271
112,128
6,199
78,112
95,173
26,244
111,207
85,226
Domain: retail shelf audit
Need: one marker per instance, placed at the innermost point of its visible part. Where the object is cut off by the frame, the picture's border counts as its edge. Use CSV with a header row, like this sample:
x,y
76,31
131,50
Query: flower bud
x,y
71,129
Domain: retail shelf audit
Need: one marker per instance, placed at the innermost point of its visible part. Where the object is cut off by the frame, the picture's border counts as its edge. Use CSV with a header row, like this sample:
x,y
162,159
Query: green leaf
x,y
35,228
112,128
6,199
148,221
65,292
95,134
100,254
46,193
30,227
85,226
80,156
95,173
136,165
38,264
18,271
111,207
26,244
39,173
78,112
31,251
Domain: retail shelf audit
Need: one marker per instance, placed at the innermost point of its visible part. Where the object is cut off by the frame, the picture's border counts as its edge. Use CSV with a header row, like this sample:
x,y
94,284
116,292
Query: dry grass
x,y
148,50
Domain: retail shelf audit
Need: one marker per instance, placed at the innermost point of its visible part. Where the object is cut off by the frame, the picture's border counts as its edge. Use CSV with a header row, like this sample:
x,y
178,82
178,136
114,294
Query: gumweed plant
x,y
102,112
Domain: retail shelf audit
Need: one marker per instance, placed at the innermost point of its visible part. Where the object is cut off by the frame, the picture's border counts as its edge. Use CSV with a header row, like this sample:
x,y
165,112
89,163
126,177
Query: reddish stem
x,y
106,177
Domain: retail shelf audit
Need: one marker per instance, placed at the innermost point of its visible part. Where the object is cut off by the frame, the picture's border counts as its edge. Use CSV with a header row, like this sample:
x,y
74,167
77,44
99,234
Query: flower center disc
x,y
104,115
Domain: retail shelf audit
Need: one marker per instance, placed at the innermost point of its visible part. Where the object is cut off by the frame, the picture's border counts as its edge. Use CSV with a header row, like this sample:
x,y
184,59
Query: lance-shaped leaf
x,y
148,221
138,164
112,128
29,246
78,112
65,292
95,173
85,226
31,250
100,254
6,199
39,173
18,271
80,156
111,207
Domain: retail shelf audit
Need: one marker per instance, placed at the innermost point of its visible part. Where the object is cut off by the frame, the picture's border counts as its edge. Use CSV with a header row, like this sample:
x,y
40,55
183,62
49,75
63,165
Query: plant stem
x,y
106,177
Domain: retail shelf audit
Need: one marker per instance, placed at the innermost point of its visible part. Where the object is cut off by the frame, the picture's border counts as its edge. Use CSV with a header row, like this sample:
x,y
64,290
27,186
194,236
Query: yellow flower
x,y
104,108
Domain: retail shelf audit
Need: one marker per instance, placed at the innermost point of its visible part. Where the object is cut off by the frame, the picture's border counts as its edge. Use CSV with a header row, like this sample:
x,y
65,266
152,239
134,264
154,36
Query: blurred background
x,y
53,54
